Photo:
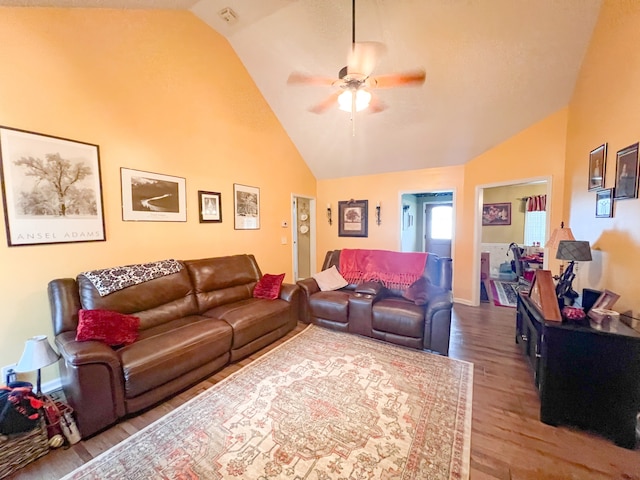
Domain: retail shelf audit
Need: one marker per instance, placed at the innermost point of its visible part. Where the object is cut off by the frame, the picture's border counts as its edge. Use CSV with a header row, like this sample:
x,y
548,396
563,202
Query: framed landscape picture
x,y
246,207
51,189
210,207
153,197
496,214
627,173
597,164
353,218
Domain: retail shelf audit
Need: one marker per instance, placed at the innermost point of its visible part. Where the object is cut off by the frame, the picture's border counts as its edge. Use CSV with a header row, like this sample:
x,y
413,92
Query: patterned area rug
x,y
323,405
504,293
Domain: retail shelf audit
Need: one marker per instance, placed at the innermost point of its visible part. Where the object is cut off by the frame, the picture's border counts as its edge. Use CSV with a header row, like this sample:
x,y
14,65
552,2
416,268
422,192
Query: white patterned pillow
x,y
330,279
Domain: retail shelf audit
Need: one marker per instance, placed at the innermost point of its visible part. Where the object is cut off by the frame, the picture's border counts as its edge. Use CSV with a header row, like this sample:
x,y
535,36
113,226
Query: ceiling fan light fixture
x,y
362,100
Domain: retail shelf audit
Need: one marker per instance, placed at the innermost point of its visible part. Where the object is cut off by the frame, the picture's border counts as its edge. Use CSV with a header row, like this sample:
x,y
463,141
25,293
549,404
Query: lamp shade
x,y
36,355
558,235
574,250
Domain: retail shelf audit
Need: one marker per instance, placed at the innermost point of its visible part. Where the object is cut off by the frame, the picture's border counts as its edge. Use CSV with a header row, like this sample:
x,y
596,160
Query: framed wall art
x,y
627,173
153,197
353,218
210,207
496,214
51,189
597,164
246,201
604,203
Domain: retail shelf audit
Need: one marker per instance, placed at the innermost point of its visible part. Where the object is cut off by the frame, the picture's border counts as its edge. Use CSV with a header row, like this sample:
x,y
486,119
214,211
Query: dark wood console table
x,y
587,375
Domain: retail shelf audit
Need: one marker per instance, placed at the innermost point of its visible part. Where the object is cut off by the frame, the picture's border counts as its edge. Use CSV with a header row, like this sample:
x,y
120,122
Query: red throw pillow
x,y
112,328
268,287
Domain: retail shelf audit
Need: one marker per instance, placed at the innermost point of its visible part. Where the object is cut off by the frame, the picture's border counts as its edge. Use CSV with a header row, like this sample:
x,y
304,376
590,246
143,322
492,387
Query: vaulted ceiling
x,y
493,67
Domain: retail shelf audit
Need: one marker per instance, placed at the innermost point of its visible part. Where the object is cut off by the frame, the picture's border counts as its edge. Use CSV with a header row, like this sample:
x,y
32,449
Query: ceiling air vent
x,y
229,16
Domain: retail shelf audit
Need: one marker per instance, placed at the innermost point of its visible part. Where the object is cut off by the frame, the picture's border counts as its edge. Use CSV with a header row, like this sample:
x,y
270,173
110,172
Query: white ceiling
x,y
493,67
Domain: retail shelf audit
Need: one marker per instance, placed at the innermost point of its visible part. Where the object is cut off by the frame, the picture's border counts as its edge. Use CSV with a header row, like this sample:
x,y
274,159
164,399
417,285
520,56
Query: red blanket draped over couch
x,y
397,270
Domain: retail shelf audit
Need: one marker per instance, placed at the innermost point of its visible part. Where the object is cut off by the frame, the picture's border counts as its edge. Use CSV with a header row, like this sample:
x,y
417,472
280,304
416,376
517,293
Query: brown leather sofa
x,y
372,310
192,323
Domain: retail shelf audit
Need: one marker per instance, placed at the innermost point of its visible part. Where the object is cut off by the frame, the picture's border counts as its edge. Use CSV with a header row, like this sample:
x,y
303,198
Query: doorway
x,y
427,222
490,239
303,221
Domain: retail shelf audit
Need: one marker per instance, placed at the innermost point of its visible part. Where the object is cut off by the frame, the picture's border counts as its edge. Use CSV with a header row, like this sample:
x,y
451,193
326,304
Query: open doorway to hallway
x,y
521,227
427,222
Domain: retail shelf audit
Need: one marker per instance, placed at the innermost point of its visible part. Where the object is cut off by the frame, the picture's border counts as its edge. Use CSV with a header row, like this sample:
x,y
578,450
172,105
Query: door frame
x,y
294,234
454,196
477,231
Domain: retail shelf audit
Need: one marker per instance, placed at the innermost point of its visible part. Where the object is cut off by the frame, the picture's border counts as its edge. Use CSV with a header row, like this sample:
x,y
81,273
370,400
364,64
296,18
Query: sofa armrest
x,y
438,322
375,289
308,287
83,353
288,292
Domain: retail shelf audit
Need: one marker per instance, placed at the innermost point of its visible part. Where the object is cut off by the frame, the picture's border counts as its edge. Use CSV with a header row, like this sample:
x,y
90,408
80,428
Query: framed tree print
x,y
246,207
51,189
353,218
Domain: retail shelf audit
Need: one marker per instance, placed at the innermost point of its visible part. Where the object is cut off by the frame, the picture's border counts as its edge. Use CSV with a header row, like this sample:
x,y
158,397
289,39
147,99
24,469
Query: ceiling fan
x,y
355,81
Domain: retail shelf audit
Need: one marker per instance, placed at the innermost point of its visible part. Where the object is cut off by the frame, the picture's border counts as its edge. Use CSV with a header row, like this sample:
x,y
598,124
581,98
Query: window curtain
x,y
537,203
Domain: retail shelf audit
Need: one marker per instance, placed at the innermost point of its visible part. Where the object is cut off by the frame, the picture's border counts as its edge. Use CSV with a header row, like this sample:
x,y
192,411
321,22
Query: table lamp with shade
x,y
37,354
574,251
558,235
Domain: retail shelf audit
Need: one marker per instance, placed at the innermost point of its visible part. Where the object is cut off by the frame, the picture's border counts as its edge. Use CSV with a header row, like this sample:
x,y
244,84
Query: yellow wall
x,y
606,108
386,189
512,194
158,91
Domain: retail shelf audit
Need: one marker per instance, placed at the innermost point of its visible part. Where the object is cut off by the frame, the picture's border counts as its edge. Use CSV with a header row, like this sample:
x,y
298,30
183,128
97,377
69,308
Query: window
x,y
534,228
441,222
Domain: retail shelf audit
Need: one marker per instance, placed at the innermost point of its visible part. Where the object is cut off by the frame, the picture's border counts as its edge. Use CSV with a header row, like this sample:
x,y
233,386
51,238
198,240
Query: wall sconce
x,y
329,214
378,213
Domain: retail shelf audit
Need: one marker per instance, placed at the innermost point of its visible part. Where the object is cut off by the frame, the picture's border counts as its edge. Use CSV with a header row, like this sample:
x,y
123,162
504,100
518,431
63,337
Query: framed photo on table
x,y
246,207
210,204
51,189
153,197
353,218
606,300
627,173
597,164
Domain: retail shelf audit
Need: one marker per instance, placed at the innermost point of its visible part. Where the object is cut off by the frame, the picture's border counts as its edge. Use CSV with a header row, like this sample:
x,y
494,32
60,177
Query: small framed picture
x,y
353,218
597,163
627,173
153,197
246,207
604,203
210,204
496,214
606,300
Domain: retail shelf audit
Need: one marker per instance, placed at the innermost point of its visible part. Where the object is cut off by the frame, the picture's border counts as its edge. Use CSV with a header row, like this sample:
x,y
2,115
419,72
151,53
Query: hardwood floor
x,y
508,441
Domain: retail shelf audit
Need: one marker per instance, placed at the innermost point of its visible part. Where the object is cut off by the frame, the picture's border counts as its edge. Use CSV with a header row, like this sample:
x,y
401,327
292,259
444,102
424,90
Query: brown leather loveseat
x,y
372,310
192,323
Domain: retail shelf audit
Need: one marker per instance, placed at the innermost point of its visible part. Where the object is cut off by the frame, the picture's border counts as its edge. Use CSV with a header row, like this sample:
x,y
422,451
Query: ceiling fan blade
x,y
406,79
327,103
364,57
298,78
376,105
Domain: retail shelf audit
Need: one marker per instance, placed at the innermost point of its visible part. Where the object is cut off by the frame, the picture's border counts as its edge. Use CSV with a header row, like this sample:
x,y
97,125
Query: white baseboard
x,y
52,386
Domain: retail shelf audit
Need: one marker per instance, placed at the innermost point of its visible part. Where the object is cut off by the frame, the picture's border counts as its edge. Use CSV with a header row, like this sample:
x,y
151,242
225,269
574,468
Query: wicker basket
x,y
20,449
